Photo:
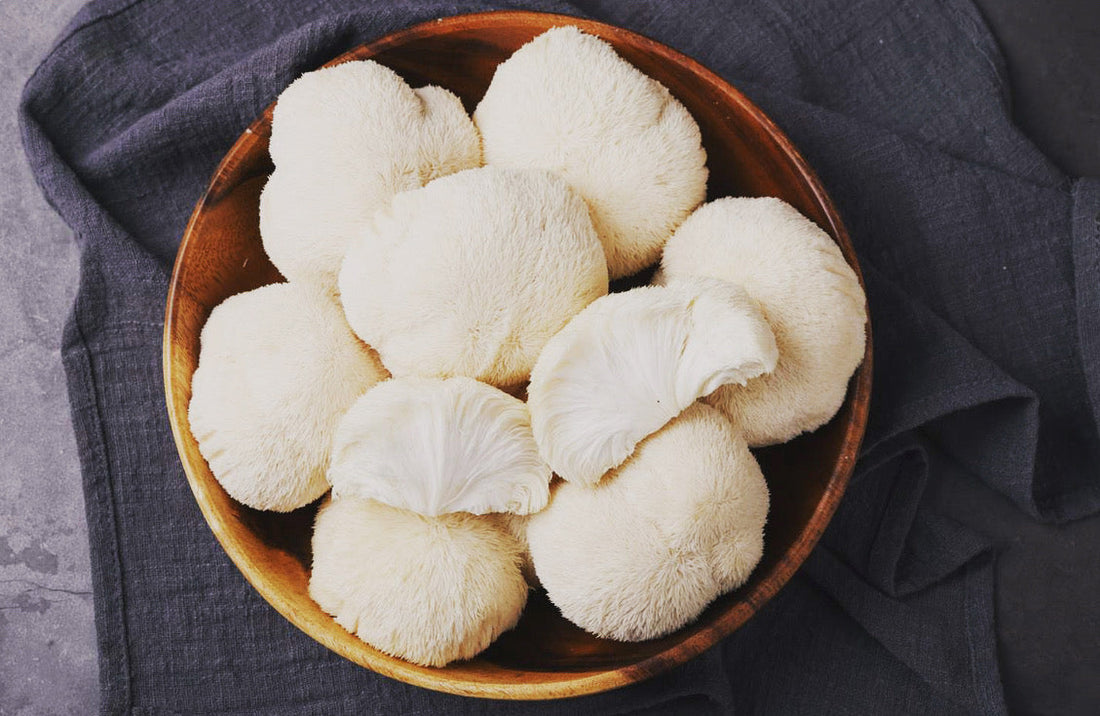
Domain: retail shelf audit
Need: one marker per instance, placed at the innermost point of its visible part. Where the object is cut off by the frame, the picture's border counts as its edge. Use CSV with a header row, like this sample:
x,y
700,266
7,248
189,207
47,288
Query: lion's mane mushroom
x,y
344,140
645,551
429,590
516,525
631,361
808,293
472,274
278,366
437,446
567,103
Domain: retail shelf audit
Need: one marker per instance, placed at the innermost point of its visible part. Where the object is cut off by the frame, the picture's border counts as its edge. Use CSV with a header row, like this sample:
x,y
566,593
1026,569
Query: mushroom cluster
x,y
446,360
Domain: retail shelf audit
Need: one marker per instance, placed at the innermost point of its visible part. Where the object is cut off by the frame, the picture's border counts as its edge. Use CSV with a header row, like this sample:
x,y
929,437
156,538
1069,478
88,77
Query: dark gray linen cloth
x,y
981,261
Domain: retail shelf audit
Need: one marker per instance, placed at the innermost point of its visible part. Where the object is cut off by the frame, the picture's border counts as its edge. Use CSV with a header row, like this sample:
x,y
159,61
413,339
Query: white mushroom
x,y
307,225
278,366
809,294
645,551
429,590
631,361
516,525
472,274
567,103
436,446
344,140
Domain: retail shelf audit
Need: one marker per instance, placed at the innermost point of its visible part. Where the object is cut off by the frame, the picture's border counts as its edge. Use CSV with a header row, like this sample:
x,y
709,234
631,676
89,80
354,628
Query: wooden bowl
x,y
545,656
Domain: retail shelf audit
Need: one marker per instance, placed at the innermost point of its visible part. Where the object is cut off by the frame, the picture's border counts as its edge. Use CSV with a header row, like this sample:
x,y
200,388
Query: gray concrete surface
x,y
47,637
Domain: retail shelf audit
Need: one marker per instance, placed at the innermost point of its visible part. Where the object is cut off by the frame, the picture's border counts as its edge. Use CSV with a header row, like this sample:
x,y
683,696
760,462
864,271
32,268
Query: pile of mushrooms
x,y
446,345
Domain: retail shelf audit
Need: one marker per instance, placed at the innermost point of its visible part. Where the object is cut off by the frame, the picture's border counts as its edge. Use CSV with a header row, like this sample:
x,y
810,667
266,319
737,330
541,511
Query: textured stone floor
x,y
47,638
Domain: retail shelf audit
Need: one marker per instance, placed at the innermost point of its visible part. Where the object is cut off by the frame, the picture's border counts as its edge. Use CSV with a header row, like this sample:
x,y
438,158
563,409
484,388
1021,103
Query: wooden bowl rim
x,y
585,682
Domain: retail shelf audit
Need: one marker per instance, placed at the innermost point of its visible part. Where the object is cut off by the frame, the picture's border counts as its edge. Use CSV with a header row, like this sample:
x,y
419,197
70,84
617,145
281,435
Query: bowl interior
x,y
545,656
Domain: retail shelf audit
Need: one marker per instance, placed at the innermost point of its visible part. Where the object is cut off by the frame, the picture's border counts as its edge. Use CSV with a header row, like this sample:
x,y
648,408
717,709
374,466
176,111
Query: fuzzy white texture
x,y
808,293
436,446
344,140
567,103
677,525
430,590
631,361
277,368
516,525
472,274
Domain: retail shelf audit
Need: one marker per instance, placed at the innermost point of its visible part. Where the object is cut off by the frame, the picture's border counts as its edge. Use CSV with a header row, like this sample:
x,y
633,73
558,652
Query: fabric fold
x,y
1086,275
911,545
940,620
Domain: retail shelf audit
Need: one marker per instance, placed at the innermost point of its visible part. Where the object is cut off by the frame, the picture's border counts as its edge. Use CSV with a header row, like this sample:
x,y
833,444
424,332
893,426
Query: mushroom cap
x,y
344,140
436,446
277,368
674,527
429,590
472,274
567,103
809,294
307,225
631,361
